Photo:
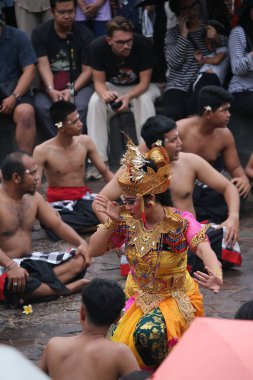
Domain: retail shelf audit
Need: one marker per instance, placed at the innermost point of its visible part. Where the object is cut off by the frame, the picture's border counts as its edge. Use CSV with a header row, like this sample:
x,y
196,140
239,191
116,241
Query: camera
x,y
115,105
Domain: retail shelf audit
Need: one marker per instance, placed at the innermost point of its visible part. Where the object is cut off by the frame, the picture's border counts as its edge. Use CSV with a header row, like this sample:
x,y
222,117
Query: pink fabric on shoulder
x,y
193,228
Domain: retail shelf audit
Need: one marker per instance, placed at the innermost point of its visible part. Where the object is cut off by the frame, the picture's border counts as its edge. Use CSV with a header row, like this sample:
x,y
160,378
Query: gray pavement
x,y
29,333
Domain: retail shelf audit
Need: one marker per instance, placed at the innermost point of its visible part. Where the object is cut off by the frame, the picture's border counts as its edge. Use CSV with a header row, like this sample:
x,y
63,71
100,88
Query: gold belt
x,y
148,301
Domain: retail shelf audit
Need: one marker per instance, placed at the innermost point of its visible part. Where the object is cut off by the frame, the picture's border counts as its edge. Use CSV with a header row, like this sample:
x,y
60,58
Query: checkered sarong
x,y
50,257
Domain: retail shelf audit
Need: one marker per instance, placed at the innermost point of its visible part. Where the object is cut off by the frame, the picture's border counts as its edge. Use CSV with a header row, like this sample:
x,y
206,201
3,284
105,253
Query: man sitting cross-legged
x,y
90,355
208,136
63,160
26,276
186,168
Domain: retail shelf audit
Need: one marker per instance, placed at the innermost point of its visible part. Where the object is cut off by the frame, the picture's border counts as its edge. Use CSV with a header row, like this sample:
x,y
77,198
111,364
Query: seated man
x,y
17,70
74,357
186,167
26,276
208,136
121,66
61,46
63,160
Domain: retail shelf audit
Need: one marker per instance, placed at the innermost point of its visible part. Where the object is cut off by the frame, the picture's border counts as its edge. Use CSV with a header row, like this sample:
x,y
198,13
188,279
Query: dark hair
x,y
53,2
174,6
119,23
13,163
213,96
136,375
245,311
155,127
163,198
60,110
103,301
246,22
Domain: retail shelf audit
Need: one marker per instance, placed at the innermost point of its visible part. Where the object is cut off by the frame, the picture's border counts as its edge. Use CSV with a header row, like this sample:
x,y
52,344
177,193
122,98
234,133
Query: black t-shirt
x,y
46,42
121,71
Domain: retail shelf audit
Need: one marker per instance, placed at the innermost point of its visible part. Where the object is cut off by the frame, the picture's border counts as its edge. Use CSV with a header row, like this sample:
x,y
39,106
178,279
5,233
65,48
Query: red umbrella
x,y
211,349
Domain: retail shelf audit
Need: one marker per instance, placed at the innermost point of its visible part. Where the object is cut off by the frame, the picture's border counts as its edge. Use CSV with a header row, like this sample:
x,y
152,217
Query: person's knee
x,y
24,113
94,100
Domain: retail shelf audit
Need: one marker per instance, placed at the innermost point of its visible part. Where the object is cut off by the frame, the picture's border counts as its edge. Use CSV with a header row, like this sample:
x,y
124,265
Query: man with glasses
x,y
61,46
122,67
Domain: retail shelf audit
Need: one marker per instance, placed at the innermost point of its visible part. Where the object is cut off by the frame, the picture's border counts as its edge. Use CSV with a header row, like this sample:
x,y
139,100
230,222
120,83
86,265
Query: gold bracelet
x,y
107,224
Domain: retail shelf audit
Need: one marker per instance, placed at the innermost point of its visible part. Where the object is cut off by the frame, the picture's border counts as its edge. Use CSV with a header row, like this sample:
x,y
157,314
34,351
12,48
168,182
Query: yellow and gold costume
x,y
159,280
162,297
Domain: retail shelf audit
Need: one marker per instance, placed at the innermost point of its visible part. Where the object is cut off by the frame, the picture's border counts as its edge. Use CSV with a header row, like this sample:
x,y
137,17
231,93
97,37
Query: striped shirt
x,y
183,67
179,53
241,62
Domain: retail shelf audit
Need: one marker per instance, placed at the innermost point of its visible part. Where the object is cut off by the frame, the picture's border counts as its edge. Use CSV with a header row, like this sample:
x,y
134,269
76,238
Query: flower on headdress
x,y
27,309
59,124
158,143
208,108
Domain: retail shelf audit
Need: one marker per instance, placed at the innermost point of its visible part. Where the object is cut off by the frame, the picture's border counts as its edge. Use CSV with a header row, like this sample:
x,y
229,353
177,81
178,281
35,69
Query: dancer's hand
x,y
212,280
111,209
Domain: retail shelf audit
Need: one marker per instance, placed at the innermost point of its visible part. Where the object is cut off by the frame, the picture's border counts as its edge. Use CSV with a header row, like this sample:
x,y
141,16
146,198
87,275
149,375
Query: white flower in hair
x,y
59,124
208,108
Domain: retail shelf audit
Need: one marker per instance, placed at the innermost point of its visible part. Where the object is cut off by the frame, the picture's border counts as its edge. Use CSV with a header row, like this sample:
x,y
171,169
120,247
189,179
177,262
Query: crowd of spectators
x,y
195,43
109,57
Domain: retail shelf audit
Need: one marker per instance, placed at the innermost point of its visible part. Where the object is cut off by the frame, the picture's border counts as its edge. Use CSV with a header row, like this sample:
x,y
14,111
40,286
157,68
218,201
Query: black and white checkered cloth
x,y
50,257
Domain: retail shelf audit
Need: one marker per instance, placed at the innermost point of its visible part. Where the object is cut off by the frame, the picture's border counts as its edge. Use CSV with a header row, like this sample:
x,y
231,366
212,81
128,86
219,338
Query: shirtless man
x,y
208,136
20,205
186,167
63,160
90,355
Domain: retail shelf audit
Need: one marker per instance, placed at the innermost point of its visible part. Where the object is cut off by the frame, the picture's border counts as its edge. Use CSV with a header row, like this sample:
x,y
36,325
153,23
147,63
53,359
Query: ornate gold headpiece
x,y
137,182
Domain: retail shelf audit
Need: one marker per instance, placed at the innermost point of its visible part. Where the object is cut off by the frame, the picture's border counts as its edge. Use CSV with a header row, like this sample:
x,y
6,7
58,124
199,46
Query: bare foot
x,y
77,286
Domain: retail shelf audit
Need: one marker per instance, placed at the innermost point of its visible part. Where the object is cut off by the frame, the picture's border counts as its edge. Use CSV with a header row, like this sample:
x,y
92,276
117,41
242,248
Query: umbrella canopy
x,y
211,349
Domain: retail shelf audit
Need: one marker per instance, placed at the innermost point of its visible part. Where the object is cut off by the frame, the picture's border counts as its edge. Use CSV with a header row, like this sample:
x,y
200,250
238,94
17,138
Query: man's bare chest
x,y
15,216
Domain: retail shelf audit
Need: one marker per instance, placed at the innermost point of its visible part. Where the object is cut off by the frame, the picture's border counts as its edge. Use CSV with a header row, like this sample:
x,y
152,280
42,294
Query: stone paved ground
x,y
30,333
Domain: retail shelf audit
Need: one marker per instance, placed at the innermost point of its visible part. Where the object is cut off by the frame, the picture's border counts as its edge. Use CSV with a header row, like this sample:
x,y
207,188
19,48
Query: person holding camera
x,y
182,42
121,66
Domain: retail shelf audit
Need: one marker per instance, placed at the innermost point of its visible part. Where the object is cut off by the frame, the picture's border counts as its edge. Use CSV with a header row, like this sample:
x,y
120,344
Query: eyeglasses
x,y
195,4
124,42
70,12
129,201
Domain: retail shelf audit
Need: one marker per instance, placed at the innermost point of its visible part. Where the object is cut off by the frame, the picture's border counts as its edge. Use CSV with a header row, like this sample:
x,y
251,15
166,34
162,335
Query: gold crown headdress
x,y
137,182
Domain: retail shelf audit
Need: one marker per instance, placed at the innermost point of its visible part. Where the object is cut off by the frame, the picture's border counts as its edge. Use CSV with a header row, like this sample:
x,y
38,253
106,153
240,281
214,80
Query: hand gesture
x,y
243,185
212,280
109,96
8,104
17,278
125,102
182,23
199,57
91,10
111,209
232,229
82,250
